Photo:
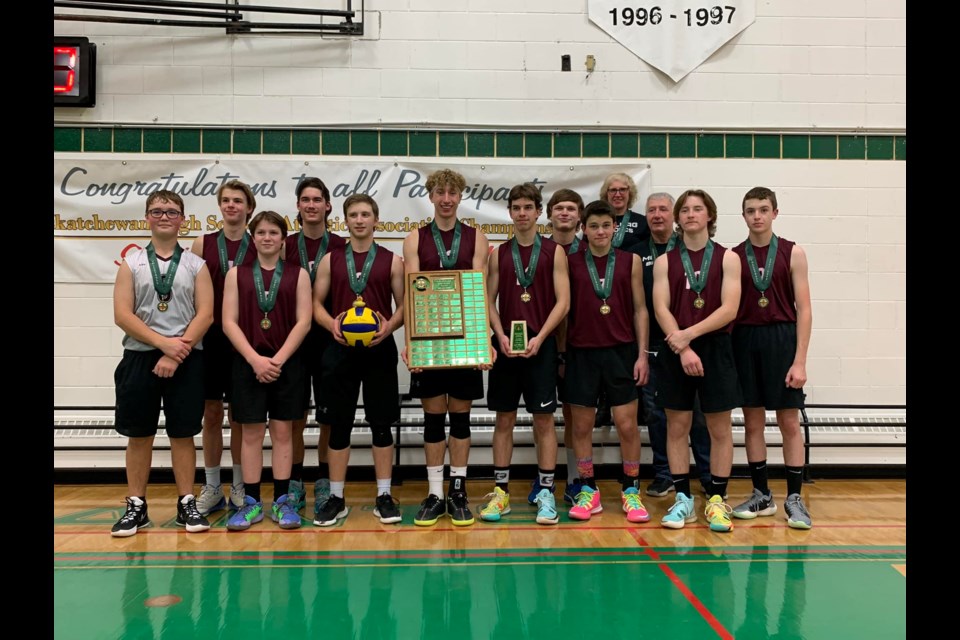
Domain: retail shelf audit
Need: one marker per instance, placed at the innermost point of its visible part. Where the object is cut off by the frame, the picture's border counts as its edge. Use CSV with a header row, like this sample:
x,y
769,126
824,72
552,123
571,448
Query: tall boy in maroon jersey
x,y
266,316
445,243
307,249
696,292
361,269
770,343
606,352
527,277
222,250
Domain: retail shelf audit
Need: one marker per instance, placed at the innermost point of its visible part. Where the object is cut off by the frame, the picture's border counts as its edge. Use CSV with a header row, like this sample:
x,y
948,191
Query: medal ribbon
x,y
653,247
603,292
445,262
222,251
302,250
357,285
762,282
697,283
160,284
525,276
574,246
267,299
621,230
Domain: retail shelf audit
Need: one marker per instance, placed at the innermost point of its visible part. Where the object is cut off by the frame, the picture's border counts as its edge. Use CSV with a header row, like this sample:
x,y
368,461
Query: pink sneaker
x,y
633,507
587,503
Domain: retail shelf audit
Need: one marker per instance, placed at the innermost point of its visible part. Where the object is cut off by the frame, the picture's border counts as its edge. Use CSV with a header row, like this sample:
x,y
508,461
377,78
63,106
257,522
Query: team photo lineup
x,y
628,308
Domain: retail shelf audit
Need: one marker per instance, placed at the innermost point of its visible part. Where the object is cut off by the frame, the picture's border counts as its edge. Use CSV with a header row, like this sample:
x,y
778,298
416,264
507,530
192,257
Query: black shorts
x,y
561,385
596,370
718,387
534,378
140,391
217,364
345,368
283,399
764,355
313,348
462,384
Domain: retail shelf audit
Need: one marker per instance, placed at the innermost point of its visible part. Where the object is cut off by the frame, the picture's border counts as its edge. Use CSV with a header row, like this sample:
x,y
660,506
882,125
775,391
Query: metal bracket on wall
x,y
228,15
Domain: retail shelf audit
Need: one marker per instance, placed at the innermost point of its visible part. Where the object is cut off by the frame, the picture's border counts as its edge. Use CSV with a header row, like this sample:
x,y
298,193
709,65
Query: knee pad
x,y
382,436
433,427
340,436
460,425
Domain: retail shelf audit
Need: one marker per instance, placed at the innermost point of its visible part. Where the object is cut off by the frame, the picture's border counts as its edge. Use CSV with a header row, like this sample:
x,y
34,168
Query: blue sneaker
x,y
298,495
284,512
680,513
534,491
547,508
249,514
573,488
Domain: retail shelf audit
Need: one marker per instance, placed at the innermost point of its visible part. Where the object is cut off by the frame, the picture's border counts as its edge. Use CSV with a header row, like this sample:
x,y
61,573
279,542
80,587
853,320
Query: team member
x,y
606,352
266,315
222,250
660,221
538,294
446,243
696,292
307,249
163,302
361,269
770,343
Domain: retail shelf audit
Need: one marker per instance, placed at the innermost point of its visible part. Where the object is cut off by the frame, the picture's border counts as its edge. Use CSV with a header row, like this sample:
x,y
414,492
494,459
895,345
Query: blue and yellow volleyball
x,y
359,325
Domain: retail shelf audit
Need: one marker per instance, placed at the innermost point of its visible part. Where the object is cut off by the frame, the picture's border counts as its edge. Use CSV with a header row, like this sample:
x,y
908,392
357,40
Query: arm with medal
x,y
493,284
797,374
690,361
321,289
561,289
304,316
641,322
387,327
481,254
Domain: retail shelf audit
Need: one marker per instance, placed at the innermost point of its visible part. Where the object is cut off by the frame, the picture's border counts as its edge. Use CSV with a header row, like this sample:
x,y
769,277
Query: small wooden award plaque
x,y
518,336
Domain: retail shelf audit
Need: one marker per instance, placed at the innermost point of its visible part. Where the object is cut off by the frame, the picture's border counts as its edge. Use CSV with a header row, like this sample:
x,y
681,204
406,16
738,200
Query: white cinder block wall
x,y
804,67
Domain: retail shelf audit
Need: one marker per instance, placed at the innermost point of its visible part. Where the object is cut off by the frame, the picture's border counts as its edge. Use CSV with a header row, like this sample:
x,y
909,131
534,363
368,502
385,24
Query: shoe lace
x,y
633,501
459,499
584,498
132,512
546,501
190,510
385,500
718,510
494,500
797,505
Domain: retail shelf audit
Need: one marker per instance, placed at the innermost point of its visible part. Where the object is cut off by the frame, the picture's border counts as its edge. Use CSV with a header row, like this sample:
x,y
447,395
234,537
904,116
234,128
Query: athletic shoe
x,y
680,513
572,489
321,493
633,507
756,505
188,516
333,509
237,495
588,503
458,508
499,505
211,499
386,509
133,519
284,512
249,514
707,494
431,509
797,515
660,487
547,508
298,495
717,514
534,490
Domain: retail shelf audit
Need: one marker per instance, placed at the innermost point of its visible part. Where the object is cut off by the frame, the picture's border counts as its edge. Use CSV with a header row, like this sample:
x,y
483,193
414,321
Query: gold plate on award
x,y
518,336
699,302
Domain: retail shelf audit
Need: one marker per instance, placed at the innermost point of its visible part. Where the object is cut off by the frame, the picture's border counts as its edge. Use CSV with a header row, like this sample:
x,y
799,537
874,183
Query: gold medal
x,y
699,302
604,308
162,306
525,296
265,323
420,283
763,301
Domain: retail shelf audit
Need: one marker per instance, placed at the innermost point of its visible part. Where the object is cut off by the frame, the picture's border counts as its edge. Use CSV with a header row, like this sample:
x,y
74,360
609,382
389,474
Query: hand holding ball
x,y
359,325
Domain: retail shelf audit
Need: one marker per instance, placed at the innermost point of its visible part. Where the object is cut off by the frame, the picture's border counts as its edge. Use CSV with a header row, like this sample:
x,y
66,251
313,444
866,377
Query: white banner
x,y
99,199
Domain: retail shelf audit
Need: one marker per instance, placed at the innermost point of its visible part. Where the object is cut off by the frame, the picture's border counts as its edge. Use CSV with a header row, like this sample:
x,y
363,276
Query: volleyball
x,y
359,325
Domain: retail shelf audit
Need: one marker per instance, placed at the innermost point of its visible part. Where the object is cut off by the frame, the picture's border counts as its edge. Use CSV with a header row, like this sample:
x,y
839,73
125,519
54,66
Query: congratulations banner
x,y
99,199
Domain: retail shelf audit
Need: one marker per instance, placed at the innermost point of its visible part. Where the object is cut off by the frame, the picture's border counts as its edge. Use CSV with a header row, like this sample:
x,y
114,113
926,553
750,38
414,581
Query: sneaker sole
x,y
129,532
245,526
645,518
546,520
675,524
330,523
721,528
659,494
793,524
291,525
596,510
193,528
494,517
388,519
750,515
220,506
427,523
462,523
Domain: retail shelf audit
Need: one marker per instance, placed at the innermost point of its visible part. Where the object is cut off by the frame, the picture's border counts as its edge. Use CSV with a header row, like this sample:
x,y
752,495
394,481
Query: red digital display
x,y
64,70
74,72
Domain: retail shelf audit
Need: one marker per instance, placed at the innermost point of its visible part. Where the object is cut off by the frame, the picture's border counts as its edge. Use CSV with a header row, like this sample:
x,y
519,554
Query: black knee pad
x,y
382,435
460,425
433,427
340,436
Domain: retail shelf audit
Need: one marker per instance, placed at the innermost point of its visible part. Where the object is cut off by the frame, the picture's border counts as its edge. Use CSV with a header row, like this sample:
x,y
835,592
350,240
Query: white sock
x,y
336,488
213,476
237,475
458,472
435,480
383,486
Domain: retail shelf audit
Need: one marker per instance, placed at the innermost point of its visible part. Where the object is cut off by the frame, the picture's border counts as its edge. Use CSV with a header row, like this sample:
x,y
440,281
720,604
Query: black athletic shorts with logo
x,y
718,387
764,354
534,378
139,393
284,399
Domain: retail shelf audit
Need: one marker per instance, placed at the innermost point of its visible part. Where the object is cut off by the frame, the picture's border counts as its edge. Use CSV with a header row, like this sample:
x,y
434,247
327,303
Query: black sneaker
x,y
458,509
386,509
333,509
660,487
431,509
133,519
189,516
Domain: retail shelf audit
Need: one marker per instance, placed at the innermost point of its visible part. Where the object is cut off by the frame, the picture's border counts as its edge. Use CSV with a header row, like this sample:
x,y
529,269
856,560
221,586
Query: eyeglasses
x,y
159,213
618,190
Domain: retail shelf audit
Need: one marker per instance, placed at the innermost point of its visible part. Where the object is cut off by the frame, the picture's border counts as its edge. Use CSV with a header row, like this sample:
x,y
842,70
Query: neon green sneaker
x,y
499,505
717,513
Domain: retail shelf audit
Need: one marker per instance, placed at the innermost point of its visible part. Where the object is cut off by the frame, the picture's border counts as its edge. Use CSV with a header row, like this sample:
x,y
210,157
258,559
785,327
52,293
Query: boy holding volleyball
x,y
362,275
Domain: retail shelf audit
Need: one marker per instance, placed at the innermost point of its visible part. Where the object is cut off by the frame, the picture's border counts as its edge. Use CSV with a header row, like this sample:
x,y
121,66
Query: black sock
x,y
719,486
323,471
547,477
180,498
252,489
681,483
590,482
501,476
794,479
280,488
457,484
758,472
296,472
629,481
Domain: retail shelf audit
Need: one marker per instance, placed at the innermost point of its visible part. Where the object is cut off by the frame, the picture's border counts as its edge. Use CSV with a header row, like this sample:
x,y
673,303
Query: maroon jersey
x,y
542,295
783,302
378,294
211,256
587,326
427,249
682,296
283,317
581,245
313,245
